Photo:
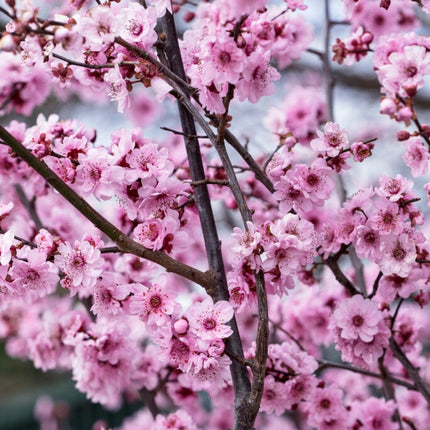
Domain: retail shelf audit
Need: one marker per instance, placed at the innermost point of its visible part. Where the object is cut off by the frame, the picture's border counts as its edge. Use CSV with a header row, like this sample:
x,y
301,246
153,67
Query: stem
x,y
241,383
413,372
125,244
327,364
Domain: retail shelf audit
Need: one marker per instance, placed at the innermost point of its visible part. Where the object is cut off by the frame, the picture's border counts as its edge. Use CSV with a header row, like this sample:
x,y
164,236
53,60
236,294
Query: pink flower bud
x,y
181,326
411,90
388,106
385,4
367,37
189,16
7,43
403,135
405,114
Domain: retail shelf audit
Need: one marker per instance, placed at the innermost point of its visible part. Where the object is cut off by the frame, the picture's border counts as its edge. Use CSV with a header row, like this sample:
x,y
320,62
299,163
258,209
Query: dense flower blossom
x,y
349,274
332,141
207,320
357,318
82,263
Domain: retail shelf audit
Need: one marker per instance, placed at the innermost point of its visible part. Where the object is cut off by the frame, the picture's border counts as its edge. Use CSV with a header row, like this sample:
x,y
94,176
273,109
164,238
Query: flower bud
x,y
388,106
181,326
403,135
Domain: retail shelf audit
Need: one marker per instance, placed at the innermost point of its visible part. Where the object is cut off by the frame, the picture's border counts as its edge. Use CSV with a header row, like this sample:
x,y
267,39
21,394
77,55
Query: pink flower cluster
x,y
360,330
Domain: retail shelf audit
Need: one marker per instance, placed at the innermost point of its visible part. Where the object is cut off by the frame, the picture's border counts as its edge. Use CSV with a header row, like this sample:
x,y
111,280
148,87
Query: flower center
x,y
209,324
155,301
358,320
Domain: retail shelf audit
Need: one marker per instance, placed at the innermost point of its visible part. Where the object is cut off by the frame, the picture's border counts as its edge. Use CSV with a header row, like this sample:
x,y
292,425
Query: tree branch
x,y
187,111
413,372
124,243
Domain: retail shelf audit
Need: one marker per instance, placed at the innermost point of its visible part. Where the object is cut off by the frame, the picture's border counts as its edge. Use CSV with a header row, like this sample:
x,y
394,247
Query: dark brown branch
x,y
93,66
188,113
29,205
148,398
326,364
124,243
339,275
413,372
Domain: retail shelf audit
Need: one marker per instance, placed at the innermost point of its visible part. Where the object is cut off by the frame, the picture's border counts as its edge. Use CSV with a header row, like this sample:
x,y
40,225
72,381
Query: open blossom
x,y
37,277
357,318
208,320
152,304
332,141
138,24
405,70
398,255
118,88
82,264
416,156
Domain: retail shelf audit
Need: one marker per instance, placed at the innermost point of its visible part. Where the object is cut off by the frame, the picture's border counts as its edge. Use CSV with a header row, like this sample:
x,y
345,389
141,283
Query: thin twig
x,y
327,364
413,372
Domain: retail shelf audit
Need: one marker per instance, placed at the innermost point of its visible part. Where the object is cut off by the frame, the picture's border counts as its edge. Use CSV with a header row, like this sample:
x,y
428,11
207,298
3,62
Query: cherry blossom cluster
x,y
344,279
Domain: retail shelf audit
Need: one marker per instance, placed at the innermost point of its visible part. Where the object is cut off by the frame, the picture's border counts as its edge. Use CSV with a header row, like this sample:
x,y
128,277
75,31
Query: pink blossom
x,y
118,89
325,405
405,69
361,150
393,188
416,156
357,318
332,141
258,77
137,25
37,277
82,263
223,61
274,398
152,304
398,255
153,233
175,421
376,413
295,4
207,320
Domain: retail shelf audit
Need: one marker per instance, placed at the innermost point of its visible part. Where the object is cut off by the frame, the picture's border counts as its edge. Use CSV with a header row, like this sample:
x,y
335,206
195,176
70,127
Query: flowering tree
x,y
307,308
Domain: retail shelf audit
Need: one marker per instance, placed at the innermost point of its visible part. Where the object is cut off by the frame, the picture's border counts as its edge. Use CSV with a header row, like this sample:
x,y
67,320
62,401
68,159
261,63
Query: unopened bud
x,y
385,4
405,114
367,37
403,135
411,90
181,326
189,16
7,43
388,106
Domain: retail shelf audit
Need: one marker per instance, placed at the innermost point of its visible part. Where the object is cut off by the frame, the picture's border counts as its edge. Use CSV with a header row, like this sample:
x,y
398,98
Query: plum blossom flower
x,y
258,77
118,89
405,70
138,24
326,405
37,277
357,318
207,320
393,188
153,304
332,141
416,156
82,264
398,255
